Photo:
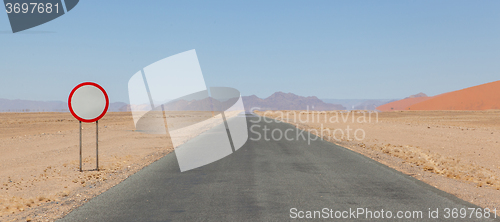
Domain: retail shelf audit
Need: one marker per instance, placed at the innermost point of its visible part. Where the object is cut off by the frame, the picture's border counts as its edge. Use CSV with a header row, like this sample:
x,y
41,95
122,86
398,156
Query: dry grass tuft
x,y
64,193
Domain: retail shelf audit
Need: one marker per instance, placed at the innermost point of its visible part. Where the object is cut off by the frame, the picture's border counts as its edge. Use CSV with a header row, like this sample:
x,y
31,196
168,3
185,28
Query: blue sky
x,y
330,49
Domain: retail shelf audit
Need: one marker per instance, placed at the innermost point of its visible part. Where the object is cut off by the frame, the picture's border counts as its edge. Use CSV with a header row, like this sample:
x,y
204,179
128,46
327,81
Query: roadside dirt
x,y
39,161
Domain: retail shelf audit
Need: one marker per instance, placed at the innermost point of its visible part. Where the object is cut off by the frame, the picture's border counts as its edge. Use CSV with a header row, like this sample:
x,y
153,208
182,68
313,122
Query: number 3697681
x,y
32,8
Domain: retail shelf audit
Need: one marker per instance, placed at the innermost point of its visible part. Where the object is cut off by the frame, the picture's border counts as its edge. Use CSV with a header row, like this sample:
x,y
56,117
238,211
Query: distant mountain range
x,y
277,101
359,104
403,103
481,97
417,95
288,101
18,105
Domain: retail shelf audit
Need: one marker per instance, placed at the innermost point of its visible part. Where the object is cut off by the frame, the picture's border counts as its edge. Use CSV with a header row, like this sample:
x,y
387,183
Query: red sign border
x,y
88,84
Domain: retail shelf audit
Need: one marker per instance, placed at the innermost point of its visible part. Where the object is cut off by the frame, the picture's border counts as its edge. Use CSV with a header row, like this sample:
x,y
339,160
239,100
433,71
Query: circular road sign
x,y
88,102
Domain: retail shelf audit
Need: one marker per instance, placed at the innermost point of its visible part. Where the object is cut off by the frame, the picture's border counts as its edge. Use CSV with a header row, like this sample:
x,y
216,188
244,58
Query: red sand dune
x,y
481,97
401,104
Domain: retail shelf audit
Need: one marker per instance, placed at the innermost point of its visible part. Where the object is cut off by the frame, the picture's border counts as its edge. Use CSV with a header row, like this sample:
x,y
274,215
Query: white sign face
x,y
88,102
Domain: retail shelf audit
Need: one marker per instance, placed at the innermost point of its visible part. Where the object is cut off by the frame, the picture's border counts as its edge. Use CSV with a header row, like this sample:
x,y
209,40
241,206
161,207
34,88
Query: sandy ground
x,y
39,157
39,161
455,151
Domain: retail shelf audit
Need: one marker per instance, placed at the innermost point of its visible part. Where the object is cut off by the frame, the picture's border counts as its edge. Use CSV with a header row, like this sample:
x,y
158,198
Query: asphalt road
x,y
271,181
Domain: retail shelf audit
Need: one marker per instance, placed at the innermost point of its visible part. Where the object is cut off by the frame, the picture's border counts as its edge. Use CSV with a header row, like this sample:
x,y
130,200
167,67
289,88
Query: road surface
x,y
271,181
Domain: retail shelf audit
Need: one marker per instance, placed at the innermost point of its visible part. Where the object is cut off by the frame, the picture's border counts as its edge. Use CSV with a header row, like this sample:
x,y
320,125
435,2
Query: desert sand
x,y
481,97
39,161
401,104
455,151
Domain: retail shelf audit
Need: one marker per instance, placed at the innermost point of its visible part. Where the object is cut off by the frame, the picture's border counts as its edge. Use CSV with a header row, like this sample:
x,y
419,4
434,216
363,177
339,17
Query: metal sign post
x,y
97,144
81,146
88,102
